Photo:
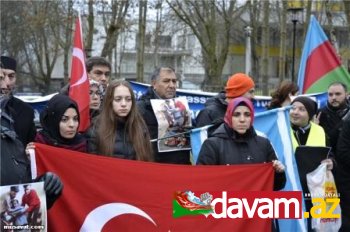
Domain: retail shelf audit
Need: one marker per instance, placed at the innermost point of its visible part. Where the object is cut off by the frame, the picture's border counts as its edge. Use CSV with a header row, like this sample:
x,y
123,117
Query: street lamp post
x,y
295,16
248,51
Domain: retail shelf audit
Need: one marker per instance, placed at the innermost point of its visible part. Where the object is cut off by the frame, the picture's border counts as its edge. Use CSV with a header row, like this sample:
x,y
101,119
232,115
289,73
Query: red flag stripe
x,y
321,61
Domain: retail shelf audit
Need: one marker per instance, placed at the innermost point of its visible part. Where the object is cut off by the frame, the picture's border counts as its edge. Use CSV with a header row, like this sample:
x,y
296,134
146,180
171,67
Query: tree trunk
x,y
157,33
213,70
117,21
90,31
67,42
254,14
307,20
333,38
211,23
283,43
347,13
141,40
265,47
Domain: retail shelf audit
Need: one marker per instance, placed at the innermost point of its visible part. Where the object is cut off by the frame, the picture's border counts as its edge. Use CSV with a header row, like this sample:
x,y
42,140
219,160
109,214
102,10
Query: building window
x,y
191,43
148,39
181,42
164,41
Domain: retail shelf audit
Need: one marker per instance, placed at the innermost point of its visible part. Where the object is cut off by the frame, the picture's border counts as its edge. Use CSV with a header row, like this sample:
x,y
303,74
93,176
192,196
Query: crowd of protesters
x,y
123,127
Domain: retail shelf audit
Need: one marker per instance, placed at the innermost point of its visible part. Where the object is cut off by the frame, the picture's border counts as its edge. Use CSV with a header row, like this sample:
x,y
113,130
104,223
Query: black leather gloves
x,y
53,187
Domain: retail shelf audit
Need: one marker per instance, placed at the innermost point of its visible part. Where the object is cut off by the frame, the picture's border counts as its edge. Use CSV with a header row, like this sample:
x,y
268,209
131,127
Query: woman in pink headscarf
x,y
236,142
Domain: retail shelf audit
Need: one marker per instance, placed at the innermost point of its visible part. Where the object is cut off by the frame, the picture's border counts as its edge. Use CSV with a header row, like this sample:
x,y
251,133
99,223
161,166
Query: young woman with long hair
x,y
119,130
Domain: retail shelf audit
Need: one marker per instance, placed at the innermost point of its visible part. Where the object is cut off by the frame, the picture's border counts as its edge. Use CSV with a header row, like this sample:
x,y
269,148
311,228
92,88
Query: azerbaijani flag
x,y
319,66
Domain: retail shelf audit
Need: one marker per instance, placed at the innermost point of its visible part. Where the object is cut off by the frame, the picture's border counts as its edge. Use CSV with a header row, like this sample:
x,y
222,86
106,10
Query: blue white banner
x,y
275,124
198,136
196,99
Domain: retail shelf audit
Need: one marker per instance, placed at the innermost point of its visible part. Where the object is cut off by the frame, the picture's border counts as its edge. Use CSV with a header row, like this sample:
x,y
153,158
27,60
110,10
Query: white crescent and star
x,y
78,53
98,217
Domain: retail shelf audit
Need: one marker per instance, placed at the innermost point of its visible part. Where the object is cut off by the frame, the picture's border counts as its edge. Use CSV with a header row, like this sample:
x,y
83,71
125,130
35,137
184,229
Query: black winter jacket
x,y
23,116
213,113
331,120
123,148
343,173
146,110
15,166
225,147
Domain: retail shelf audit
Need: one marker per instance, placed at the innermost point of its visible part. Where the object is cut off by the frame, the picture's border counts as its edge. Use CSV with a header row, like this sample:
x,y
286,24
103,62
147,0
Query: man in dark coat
x,y
343,174
21,112
213,113
336,111
15,166
163,87
237,85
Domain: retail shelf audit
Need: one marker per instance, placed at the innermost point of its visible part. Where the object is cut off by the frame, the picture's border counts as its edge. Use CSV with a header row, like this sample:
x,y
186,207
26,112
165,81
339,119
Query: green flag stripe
x,y
339,74
179,211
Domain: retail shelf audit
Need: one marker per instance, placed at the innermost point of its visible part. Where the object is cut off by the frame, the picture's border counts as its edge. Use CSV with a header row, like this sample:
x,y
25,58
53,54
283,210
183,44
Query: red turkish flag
x,y
110,194
79,83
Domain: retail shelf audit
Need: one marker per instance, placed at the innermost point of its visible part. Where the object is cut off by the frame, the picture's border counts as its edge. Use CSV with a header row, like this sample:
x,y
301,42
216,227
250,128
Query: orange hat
x,y
238,84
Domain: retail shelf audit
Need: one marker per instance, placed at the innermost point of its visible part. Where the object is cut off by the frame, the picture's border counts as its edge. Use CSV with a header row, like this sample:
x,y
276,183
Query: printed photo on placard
x,y
23,207
174,120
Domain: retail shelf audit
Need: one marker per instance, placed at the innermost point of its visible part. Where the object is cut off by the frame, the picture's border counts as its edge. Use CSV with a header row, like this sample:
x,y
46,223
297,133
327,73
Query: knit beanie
x,y
8,63
309,104
238,84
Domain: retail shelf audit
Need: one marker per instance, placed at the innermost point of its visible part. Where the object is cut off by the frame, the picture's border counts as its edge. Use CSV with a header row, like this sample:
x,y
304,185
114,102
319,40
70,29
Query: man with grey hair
x,y
163,86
